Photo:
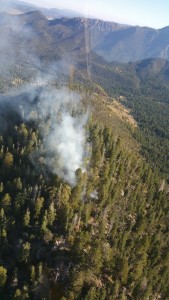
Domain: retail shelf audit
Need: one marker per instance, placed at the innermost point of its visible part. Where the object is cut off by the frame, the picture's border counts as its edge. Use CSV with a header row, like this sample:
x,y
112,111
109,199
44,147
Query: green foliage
x,y
3,276
144,89
104,238
8,160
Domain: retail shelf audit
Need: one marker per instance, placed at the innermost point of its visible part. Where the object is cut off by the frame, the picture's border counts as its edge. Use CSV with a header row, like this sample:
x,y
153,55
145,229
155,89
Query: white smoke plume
x,y
67,142
61,123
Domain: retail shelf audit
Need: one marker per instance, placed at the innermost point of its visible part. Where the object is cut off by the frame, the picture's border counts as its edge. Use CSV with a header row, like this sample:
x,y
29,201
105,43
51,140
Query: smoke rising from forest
x,y
62,126
57,112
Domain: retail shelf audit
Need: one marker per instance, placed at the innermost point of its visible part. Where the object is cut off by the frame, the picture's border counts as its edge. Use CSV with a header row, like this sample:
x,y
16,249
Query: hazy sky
x,y
152,13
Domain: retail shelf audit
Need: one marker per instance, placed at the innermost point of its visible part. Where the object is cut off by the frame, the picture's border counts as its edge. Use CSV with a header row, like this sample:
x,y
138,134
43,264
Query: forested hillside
x,y
142,87
106,237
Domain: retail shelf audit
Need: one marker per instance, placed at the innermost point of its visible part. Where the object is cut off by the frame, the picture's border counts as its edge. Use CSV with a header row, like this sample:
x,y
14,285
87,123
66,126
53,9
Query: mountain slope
x,y
101,238
35,45
134,43
115,42
111,41
83,216
142,87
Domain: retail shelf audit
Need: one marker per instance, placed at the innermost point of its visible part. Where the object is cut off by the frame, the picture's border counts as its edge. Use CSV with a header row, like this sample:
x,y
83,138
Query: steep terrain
x,y
84,166
142,87
111,41
101,238
36,46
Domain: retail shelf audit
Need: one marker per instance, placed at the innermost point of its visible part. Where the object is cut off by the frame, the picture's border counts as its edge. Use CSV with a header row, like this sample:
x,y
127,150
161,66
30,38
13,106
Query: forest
x,y
145,91
103,238
84,161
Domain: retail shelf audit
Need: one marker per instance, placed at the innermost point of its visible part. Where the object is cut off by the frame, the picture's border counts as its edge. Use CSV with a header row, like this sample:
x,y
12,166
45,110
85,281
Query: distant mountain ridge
x,y
19,7
109,40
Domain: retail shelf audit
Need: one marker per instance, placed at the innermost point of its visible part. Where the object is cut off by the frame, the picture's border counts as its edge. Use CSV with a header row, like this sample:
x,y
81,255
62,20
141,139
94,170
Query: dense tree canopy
x,y
104,238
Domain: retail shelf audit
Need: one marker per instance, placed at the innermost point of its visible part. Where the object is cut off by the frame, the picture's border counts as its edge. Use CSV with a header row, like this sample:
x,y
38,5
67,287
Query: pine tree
x,y
26,218
3,276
